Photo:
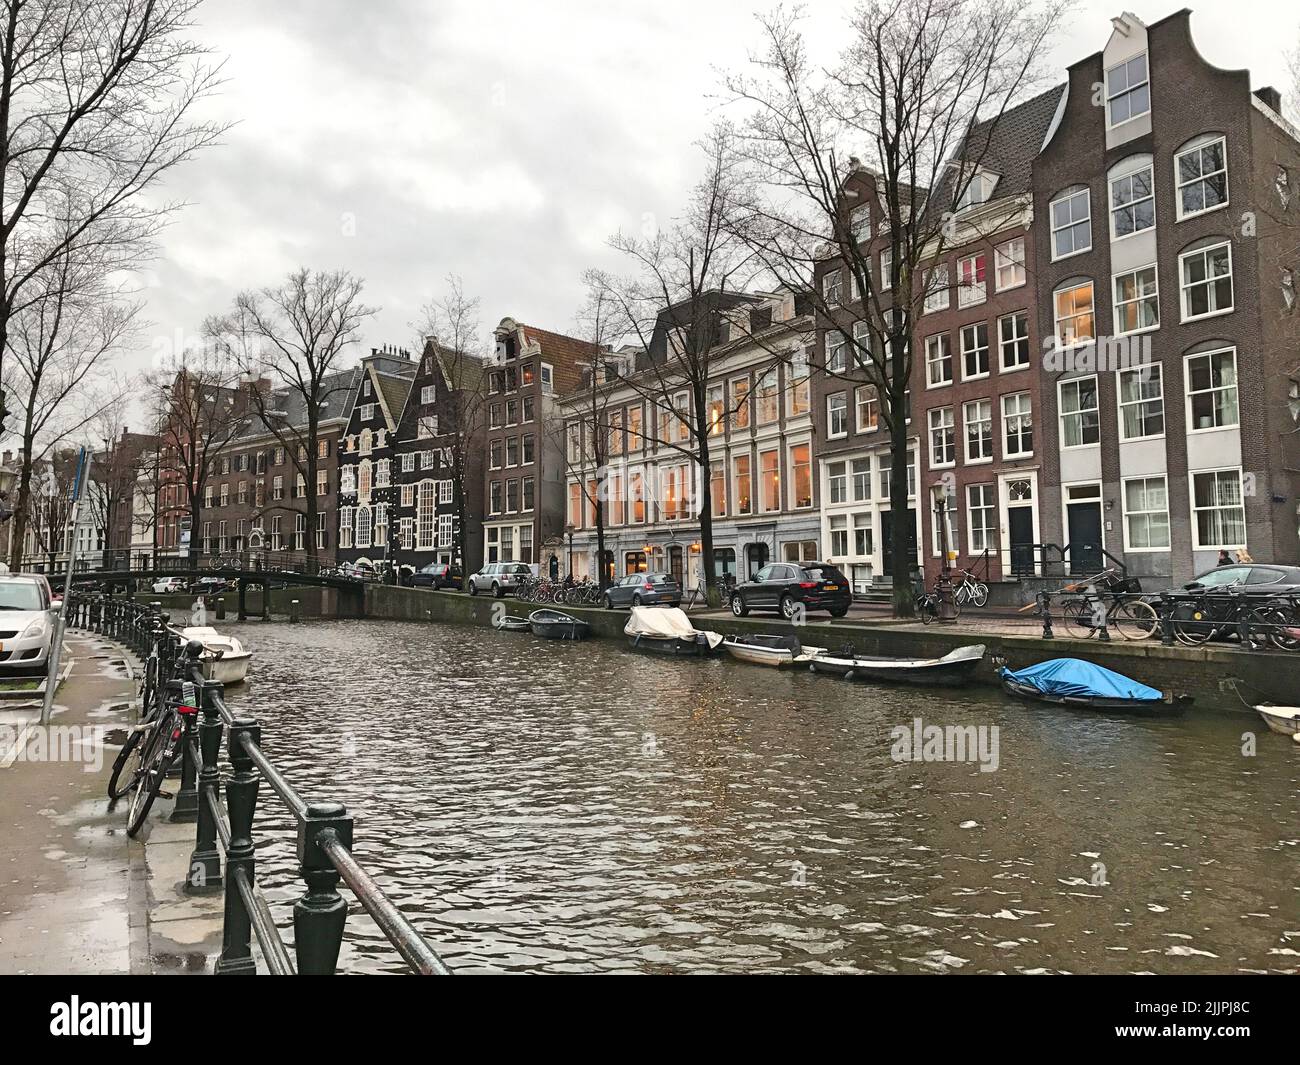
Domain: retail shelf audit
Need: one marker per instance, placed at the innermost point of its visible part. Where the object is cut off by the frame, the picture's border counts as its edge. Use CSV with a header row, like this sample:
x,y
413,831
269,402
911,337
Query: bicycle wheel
x,y
1265,627
1077,615
980,596
1136,620
1192,624
165,745
148,693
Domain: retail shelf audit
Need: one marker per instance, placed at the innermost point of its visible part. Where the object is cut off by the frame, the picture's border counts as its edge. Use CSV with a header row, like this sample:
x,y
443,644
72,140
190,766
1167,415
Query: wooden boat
x,y
224,658
782,652
509,624
557,625
953,668
667,630
1074,682
1281,719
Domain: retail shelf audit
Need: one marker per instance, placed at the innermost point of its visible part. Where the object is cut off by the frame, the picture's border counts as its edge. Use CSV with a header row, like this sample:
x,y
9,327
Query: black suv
x,y
436,575
784,586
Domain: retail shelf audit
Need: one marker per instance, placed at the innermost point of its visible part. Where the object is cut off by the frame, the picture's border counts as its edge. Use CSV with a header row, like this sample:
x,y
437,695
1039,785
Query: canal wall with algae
x,y
1212,674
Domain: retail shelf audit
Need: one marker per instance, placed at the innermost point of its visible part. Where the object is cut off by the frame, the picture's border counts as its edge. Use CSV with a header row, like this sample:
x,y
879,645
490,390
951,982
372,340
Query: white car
x,y
168,584
26,622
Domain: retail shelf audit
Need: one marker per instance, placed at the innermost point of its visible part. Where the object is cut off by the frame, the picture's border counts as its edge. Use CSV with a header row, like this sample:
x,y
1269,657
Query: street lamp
x,y
569,531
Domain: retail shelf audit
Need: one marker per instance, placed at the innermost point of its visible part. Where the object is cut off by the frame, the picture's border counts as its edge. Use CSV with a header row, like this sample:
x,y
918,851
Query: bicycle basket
x,y
1127,586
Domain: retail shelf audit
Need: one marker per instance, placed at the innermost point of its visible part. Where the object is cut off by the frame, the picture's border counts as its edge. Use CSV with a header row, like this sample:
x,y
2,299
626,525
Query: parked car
x,y
784,586
167,585
1254,578
643,589
26,621
209,585
499,578
437,575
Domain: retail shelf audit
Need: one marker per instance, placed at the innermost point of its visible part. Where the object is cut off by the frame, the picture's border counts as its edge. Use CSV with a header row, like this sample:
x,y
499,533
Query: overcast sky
x,y
505,141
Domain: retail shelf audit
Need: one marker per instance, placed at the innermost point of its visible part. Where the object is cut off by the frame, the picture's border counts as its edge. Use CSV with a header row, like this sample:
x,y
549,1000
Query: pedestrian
x,y
1224,558
554,565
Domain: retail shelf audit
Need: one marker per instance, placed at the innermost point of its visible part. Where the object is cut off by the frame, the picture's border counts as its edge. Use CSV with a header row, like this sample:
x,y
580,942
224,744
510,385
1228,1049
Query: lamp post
x,y
943,586
569,531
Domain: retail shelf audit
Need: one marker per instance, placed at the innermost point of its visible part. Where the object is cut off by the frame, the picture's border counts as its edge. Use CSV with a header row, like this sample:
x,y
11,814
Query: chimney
x,y
1270,97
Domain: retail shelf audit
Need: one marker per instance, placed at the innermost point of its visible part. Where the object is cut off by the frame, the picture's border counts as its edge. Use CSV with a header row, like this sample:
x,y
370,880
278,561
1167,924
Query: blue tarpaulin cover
x,y
1073,676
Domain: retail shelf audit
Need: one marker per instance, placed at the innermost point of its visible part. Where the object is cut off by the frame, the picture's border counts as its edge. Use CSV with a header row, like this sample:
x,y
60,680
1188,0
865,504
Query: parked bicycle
x,y
927,606
1108,601
1273,623
152,747
969,590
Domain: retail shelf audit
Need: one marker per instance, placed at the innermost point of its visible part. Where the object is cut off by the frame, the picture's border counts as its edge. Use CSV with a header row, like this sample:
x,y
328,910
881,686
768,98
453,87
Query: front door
x,y
887,540
1084,523
1020,529
675,565
755,559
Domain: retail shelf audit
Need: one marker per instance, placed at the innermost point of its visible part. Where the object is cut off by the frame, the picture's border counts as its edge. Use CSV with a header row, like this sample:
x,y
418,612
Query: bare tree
x,y
452,323
198,411
60,346
97,101
689,281
919,88
297,334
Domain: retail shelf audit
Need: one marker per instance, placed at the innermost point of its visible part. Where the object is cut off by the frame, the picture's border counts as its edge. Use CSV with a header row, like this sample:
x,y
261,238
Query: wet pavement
x,y
77,895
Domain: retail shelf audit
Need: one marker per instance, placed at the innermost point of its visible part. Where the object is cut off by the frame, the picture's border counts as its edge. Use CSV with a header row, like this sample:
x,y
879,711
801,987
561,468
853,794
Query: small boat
x,y
224,658
509,624
783,652
556,625
1281,719
953,668
667,630
1074,682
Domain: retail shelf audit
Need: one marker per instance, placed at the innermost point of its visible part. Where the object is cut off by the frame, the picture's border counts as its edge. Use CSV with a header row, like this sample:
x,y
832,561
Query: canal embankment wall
x,y
1213,674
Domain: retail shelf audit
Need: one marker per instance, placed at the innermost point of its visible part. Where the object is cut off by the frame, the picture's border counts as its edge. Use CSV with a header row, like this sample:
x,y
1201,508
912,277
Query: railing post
x,y
241,801
1045,609
186,808
205,859
1166,619
319,916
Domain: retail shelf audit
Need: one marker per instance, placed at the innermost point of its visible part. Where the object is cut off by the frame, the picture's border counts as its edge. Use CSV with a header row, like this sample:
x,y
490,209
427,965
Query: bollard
x,y
221,608
319,916
186,808
1100,619
1044,608
205,860
293,610
241,801
1166,619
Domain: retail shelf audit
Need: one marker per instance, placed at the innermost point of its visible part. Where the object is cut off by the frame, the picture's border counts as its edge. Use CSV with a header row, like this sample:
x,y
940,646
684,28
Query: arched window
x,y
426,509
363,478
363,526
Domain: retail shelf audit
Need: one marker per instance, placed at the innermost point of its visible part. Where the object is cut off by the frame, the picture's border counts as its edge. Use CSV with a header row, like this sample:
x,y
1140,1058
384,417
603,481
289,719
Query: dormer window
x,y
1128,90
979,189
860,223
547,377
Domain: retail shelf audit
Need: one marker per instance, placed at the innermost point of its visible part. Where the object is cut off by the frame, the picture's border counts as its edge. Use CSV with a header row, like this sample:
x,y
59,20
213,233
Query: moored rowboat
x,y
953,668
667,630
224,658
781,652
509,624
557,625
1281,719
1074,682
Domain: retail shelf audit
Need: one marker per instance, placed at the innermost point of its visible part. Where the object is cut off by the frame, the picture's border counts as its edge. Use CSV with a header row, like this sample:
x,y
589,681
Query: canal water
x,y
550,807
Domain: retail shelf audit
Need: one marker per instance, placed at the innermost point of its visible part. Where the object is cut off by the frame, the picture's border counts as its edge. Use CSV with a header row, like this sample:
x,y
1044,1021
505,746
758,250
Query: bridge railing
x,y
224,828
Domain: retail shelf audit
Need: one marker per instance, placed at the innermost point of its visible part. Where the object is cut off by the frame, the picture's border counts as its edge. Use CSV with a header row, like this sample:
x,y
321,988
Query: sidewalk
x,y
77,895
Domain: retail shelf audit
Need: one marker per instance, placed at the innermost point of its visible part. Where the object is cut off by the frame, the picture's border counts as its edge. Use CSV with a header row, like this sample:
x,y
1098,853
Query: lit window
x,y
1073,308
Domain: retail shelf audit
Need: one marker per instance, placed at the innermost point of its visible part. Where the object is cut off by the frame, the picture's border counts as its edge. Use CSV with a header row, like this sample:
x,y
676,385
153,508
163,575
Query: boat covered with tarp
x,y
1075,682
667,630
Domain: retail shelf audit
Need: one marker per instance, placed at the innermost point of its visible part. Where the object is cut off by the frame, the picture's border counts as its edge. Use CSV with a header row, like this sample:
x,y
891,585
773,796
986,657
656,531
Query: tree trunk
x,y
711,591
18,523
901,522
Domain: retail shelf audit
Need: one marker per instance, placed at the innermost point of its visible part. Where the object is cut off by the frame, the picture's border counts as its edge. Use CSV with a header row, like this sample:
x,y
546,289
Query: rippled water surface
x,y
541,806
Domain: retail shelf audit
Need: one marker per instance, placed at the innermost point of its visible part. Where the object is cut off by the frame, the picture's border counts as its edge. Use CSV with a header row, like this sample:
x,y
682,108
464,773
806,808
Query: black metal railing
x,y
225,828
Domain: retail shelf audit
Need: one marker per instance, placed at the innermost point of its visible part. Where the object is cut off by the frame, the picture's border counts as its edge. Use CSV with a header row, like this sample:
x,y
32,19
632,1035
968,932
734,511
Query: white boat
x,y
224,658
953,668
1283,719
667,630
780,652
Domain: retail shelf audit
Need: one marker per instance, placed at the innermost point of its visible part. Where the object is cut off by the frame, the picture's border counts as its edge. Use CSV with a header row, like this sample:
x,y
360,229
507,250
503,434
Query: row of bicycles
x,y
967,590
542,589
1111,602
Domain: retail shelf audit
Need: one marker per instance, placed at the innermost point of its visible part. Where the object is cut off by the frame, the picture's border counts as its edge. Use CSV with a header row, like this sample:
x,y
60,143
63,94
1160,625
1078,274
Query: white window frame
x,y
843,397
967,421
947,423
1192,429
1124,509
1009,261
1124,174
937,295
1199,144
1195,511
988,355
1014,344
989,505
1057,319
1002,408
858,405
1122,404
1128,89
944,341
1118,303
974,292
1062,414
1068,196
1183,286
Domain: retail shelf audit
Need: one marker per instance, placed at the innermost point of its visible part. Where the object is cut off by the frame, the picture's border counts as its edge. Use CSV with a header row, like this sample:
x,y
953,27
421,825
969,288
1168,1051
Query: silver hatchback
x,y
499,578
